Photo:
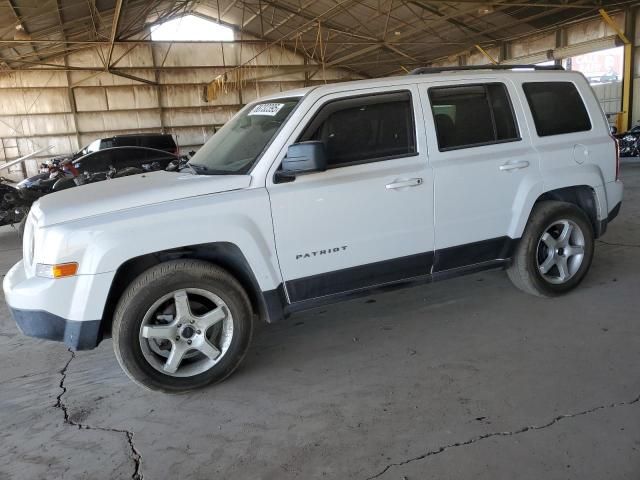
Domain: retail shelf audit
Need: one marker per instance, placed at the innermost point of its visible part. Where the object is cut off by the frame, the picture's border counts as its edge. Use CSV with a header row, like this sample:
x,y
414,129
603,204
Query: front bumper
x,y
67,309
76,335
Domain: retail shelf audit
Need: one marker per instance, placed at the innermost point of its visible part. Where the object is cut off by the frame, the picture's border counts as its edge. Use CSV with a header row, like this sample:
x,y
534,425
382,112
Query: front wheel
x,y
182,325
555,252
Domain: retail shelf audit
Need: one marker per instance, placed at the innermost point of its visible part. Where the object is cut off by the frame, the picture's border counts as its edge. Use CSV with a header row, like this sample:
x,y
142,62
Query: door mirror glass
x,y
303,158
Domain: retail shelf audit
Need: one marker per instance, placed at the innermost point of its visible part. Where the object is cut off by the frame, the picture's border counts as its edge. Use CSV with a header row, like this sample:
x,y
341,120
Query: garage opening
x,y
191,28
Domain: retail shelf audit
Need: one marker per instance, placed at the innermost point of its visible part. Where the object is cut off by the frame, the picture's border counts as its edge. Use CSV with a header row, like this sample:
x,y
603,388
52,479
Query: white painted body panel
x,y
135,191
351,207
474,199
464,198
81,297
100,244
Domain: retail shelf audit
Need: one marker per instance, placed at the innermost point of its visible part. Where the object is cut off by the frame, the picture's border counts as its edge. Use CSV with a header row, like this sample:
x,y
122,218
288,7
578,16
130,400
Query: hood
x,y
129,192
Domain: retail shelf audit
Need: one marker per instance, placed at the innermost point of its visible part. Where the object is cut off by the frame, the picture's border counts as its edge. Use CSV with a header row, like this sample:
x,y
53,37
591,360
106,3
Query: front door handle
x,y
412,182
507,167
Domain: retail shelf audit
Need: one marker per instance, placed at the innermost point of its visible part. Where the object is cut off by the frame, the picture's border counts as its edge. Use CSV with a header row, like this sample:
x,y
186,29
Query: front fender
x,y
103,243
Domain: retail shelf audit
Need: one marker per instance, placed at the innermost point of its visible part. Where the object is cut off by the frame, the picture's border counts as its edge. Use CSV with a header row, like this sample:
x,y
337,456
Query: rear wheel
x,y
555,251
182,325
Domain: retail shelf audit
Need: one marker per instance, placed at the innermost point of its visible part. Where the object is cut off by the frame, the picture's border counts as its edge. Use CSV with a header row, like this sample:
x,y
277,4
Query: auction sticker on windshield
x,y
270,109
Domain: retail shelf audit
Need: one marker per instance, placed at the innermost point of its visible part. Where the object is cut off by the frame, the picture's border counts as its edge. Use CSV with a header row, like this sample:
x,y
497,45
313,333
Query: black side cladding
x,y
76,335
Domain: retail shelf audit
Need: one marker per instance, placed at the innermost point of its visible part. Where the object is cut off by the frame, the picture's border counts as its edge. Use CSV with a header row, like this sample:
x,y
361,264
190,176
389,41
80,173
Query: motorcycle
x,y
60,180
629,142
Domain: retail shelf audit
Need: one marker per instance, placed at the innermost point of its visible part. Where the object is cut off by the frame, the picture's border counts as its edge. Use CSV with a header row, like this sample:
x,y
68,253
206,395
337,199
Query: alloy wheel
x,y
186,332
560,251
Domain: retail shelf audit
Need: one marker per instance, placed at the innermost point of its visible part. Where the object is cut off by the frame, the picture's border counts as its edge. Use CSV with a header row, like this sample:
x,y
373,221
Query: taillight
x,y
617,147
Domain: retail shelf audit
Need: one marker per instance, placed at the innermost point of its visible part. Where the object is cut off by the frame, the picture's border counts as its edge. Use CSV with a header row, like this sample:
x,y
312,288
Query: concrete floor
x,y
462,379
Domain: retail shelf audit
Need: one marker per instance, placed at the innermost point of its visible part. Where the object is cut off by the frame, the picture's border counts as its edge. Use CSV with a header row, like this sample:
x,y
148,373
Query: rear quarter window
x,y
557,108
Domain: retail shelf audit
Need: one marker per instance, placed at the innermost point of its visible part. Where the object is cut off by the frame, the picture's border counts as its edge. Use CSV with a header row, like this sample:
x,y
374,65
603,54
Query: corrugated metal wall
x,y
610,97
69,109
574,39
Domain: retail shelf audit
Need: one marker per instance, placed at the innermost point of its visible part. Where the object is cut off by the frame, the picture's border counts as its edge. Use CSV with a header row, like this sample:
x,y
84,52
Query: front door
x,y
368,219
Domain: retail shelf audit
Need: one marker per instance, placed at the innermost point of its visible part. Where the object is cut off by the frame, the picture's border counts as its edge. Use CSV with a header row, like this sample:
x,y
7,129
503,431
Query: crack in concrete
x,y
479,438
613,244
135,454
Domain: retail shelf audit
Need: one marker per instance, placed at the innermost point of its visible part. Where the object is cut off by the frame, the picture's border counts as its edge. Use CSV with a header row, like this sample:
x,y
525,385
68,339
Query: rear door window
x,y
95,162
472,115
557,108
162,142
106,143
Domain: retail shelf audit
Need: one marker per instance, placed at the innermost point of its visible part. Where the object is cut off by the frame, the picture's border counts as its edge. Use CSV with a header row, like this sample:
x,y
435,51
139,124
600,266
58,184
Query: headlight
x,y
59,270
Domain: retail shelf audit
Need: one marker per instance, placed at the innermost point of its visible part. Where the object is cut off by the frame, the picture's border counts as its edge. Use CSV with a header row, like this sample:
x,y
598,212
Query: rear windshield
x,y
557,108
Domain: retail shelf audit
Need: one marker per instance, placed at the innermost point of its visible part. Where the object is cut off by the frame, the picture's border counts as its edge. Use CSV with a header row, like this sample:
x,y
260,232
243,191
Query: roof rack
x,y
425,70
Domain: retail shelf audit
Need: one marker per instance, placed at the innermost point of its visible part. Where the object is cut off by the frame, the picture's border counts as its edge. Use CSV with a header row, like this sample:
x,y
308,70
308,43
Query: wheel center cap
x,y
188,331
561,251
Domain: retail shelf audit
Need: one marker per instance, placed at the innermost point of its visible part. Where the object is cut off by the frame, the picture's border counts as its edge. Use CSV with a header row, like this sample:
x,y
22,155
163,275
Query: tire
x,y
565,268
149,328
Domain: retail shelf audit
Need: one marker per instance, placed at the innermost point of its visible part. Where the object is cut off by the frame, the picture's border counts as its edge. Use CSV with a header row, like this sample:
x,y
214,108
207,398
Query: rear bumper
x,y
75,335
612,215
610,203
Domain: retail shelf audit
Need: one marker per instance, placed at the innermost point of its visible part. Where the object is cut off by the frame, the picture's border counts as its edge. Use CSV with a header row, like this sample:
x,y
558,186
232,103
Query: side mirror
x,y
613,129
303,158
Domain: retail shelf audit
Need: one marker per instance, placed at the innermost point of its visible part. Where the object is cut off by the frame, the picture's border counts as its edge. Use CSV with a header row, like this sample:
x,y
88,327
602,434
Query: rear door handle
x,y
412,182
506,167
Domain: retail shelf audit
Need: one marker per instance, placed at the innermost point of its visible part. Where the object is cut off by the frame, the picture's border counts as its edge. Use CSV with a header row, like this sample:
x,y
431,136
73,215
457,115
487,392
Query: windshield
x,y
93,146
236,146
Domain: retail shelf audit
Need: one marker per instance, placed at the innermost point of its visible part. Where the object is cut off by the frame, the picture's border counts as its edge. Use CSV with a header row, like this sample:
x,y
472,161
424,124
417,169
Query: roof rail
x,y
426,70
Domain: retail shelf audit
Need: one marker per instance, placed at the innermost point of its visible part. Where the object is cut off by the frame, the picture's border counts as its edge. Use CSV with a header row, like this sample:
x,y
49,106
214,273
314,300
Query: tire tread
x,y
156,274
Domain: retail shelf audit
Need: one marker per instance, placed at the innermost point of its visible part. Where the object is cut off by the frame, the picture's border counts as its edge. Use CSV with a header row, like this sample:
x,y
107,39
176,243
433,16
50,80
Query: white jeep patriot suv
x,y
315,195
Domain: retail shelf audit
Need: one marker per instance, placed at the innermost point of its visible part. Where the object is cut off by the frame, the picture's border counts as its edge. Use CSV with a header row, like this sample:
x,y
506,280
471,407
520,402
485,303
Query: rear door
x,y
130,157
94,162
484,167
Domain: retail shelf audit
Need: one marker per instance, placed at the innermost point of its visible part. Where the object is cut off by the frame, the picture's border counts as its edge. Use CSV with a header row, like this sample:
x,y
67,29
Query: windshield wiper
x,y
204,170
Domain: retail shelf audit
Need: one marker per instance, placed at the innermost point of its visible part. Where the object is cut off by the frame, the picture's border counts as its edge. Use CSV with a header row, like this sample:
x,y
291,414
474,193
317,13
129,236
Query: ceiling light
x,y
485,10
20,34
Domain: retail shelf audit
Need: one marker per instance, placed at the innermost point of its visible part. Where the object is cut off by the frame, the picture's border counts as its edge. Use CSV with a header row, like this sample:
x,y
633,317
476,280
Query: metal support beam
x,y
158,89
630,56
114,31
627,77
486,54
561,41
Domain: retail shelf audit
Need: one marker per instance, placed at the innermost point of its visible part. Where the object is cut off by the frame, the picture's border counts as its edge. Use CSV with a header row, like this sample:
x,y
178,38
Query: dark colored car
x,y
159,141
116,157
629,142
123,157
